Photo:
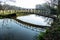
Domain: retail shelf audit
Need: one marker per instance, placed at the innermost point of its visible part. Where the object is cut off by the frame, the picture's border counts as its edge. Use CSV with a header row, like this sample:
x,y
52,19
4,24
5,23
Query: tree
x,y
58,7
53,33
0,6
4,6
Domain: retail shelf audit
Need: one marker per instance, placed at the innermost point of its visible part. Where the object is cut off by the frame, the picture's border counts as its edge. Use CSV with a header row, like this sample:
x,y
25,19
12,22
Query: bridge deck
x,y
38,12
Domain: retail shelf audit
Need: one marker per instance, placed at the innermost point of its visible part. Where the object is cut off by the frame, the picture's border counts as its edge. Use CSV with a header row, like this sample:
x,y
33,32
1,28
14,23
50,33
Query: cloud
x,y
28,3
12,0
25,3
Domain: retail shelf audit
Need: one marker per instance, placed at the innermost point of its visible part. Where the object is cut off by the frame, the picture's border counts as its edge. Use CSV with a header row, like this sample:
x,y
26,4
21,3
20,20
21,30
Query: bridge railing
x,y
23,11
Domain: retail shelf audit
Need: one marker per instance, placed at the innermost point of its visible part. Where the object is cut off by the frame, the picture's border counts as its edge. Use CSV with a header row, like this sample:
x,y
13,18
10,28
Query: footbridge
x,y
28,11
31,11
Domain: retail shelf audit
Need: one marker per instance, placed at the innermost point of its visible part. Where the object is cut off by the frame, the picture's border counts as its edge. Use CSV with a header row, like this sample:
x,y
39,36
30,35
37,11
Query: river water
x,y
35,19
13,30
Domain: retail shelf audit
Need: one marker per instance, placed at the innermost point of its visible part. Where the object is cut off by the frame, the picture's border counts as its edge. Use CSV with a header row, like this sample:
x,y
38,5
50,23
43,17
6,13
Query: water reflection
x,y
38,20
12,30
31,27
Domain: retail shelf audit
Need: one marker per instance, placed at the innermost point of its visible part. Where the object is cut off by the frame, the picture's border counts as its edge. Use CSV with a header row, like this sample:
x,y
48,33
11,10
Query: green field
x,y
8,12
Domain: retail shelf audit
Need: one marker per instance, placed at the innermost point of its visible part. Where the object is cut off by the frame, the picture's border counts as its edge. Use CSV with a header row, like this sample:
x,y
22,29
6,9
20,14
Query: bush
x,y
53,34
41,36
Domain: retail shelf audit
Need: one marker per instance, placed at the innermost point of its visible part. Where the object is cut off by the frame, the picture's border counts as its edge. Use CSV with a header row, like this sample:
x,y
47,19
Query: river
x,y
13,30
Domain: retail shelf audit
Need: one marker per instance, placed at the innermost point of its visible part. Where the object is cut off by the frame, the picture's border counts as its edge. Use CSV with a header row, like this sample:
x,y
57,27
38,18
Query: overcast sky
x,y
26,3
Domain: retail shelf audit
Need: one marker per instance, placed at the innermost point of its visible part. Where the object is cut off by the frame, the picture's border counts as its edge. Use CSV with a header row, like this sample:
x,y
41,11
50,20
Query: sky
x,y
25,3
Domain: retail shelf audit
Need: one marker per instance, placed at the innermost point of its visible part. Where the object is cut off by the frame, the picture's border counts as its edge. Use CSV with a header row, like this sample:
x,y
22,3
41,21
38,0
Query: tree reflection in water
x,y
5,22
9,26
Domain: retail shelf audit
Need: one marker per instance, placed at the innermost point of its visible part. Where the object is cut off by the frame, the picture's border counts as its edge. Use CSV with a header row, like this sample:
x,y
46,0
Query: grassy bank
x,y
8,14
52,33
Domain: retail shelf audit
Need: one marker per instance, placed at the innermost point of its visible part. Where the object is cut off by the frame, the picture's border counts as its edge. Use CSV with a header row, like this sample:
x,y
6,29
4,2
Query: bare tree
x,y
0,6
4,4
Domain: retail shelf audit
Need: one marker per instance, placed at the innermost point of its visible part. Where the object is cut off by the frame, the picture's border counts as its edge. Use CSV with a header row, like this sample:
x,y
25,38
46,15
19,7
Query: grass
x,y
41,36
5,13
52,33
21,14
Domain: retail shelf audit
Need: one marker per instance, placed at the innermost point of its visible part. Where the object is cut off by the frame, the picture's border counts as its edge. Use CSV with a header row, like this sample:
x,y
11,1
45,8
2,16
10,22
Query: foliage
x,y
41,36
0,6
53,33
5,6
